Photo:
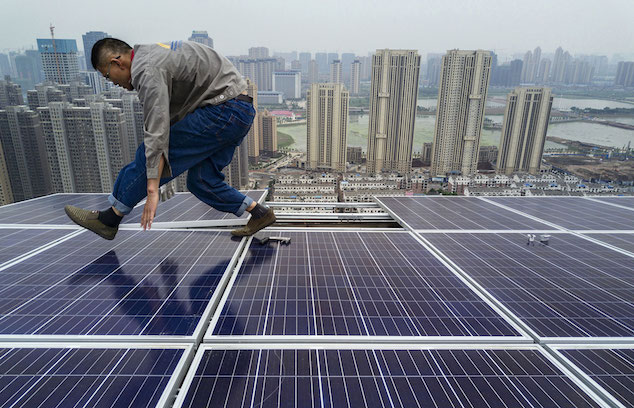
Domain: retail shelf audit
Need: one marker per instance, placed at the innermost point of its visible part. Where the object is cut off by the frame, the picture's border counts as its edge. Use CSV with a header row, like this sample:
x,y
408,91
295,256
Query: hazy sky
x,y
507,26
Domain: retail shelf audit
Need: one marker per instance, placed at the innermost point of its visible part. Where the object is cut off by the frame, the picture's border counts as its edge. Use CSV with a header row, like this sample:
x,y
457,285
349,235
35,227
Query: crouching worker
x,y
196,112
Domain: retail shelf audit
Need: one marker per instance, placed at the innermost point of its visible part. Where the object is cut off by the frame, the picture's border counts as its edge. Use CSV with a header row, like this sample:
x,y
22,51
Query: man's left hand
x,y
149,210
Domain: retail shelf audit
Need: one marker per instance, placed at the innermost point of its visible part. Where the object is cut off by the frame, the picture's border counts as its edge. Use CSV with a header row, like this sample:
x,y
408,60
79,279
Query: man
x,y
196,112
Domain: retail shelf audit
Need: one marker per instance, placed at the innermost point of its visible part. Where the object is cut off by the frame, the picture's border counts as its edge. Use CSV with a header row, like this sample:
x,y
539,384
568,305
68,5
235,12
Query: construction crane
x,y
59,73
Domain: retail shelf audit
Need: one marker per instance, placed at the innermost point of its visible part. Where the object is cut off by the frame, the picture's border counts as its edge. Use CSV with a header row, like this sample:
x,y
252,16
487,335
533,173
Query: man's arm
x,y
151,203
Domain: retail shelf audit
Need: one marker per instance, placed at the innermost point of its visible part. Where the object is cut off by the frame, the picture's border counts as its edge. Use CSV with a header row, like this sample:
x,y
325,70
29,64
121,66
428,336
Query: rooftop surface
x,y
455,306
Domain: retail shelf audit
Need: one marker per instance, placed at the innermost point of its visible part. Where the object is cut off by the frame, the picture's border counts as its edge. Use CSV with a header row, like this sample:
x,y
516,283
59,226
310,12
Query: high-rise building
x,y
425,154
259,70
346,61
332,56
280,64
90,38
543,72
85,145
560,66
433,69
6,194
254,134
10,93
624,74
59,62
524,130
366,68
313,74
460,114
327,126
29,67
393,97
355,77
530,66
304,60
43,94
202,37
258,52
268,130
296,65
355,154
289,83
336,74
25,152
5,65
322,62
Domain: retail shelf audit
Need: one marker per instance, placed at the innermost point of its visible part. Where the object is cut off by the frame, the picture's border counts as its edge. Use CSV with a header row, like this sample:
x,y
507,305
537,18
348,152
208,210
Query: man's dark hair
x,y
105,47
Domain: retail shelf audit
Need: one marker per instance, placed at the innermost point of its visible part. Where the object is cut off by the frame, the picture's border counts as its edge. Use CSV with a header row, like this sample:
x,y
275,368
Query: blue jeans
x,y
203,142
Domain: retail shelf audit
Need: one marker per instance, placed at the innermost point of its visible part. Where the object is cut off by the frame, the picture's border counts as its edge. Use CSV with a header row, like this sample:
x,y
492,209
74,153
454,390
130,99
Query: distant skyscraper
x,y
543,72
24,152
5,65
202,37
322,62
624,74
304,59
327,126
10,93
268,127
289,83
433,69
346,61
332,56
259,70
393,97
460,114
90,38
560,66
355,77
258,52
524,130
296,65
313,74
28,67
60,64
254,133
527,64
336,74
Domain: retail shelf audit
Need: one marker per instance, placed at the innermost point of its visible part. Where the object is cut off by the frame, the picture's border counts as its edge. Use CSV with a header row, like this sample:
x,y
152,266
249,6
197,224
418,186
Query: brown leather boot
x,y
254,225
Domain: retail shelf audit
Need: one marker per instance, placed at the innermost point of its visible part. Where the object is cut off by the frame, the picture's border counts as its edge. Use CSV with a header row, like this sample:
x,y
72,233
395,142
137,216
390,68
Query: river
x,y
424,127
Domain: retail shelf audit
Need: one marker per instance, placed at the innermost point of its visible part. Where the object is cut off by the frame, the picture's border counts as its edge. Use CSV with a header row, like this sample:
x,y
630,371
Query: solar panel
x,y
571,288
454,213
576,213
611,369
623,241
114,377
17,242
49,210
234,377
352,284
186,207
144,283
624,201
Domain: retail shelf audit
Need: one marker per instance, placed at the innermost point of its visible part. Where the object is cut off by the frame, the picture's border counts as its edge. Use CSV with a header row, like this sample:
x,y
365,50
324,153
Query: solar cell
x,y
144,283
612,369
372,378
571,288
623,241
186,207
352,284
623,201
575,213
454,213
17,242
49,210
113,377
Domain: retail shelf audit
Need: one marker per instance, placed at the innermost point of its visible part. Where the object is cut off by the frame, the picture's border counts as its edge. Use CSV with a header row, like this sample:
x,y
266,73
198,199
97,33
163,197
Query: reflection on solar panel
x,y
576,213
341,378
186,207
624,201
50,209
572,288
86,377
353,283
612,369
459,213
143,283
17,242
623,241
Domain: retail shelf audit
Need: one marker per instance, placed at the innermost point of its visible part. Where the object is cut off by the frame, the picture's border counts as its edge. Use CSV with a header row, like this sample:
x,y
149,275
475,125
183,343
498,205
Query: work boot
x,y
255,224
89,220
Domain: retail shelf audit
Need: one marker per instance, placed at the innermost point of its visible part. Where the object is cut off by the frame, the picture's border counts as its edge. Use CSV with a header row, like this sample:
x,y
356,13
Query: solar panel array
x,y
455,309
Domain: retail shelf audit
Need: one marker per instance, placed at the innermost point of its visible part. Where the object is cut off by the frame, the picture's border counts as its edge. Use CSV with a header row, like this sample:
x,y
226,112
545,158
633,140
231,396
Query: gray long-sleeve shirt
x,y
173,79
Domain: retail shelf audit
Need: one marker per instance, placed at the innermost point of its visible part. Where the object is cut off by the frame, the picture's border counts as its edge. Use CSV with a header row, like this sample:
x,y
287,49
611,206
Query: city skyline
x,y
579,26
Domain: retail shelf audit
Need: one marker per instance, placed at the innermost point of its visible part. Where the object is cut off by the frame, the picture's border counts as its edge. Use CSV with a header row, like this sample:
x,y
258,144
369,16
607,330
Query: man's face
x,y
117,70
